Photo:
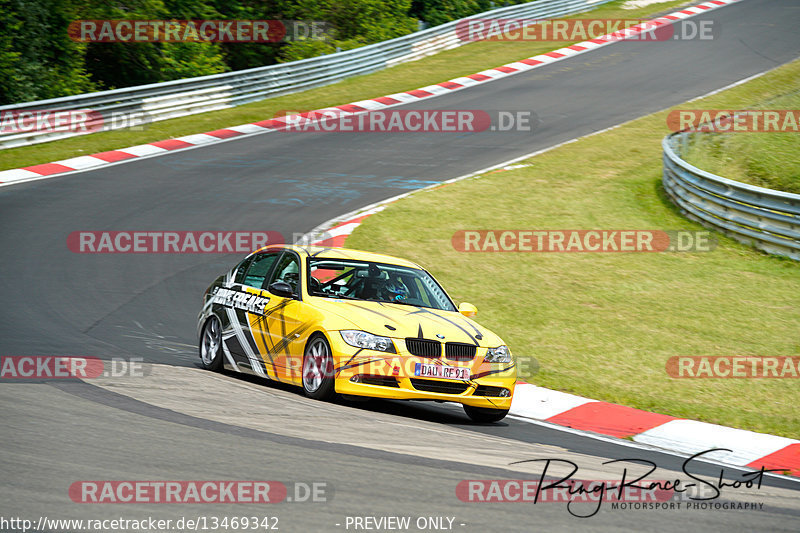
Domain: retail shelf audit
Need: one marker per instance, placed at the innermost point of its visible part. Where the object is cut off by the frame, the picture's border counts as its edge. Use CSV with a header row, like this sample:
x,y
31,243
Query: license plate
x,y
441,371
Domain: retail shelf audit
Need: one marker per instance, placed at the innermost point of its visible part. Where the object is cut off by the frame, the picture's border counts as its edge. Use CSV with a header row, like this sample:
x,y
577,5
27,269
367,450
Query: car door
x,y
244,301
282,332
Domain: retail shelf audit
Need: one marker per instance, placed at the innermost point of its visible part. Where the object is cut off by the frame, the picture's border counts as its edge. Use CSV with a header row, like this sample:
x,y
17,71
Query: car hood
x,y
409,321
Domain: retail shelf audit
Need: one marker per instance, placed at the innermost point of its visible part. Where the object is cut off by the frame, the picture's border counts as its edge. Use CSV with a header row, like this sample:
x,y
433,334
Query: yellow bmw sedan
x,y
333,320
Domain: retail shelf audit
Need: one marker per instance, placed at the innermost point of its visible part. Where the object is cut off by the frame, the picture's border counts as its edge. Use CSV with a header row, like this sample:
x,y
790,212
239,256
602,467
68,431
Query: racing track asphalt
x,y
58,302
189,424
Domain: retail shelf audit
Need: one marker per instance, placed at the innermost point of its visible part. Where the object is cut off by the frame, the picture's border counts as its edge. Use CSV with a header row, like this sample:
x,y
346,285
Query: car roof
x,y
343,253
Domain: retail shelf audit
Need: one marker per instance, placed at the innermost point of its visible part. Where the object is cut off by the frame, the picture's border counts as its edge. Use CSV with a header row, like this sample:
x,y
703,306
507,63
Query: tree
x,y
115,65
38,60
436,12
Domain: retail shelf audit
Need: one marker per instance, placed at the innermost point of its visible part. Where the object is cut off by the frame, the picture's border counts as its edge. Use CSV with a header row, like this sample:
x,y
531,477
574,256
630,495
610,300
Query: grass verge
x,y
764,159
603,325
443,66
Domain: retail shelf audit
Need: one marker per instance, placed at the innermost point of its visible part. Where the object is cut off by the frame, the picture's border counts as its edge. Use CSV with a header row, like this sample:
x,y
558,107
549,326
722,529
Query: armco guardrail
x,y
764,218
179,98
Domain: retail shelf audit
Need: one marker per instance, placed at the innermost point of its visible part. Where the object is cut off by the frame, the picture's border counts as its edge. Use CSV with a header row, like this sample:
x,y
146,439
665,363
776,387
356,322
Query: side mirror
x,y
468,310
282,289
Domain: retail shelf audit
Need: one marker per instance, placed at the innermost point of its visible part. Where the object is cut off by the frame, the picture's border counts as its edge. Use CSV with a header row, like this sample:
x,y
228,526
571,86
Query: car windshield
x,y
375,282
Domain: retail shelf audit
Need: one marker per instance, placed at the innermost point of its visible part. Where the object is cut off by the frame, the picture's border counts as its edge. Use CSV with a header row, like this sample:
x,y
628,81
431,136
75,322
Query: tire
x,y
211,345
318,379
485,414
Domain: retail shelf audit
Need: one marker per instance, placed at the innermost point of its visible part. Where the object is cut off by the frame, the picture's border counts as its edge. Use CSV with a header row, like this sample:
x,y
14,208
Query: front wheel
x,y
318,369
211,344
484,414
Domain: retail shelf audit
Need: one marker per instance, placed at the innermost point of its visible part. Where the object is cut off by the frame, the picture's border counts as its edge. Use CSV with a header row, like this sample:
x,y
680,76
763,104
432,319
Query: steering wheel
x,y
314,286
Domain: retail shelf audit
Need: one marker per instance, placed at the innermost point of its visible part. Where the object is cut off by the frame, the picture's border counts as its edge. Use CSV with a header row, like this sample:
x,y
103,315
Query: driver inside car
x,y
394,291
377,285
372,282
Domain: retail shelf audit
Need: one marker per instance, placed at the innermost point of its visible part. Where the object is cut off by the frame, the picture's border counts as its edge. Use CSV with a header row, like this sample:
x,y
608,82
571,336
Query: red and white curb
x,y
122,155
747,448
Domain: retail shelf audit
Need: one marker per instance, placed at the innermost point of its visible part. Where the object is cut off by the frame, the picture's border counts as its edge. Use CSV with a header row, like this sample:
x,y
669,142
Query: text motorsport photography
x,y
633,489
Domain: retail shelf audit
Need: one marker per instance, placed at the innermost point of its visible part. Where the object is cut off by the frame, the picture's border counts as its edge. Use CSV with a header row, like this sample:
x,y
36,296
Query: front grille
x,y
459,351
485,390
446,387
423,347
381,381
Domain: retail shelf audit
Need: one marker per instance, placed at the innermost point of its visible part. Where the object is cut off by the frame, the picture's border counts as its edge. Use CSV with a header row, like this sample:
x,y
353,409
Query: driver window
x,y
258,269
288,270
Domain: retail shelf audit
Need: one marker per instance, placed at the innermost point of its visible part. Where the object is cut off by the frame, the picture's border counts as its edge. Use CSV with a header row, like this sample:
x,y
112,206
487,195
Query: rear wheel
x,y
318,369
485,414
211,344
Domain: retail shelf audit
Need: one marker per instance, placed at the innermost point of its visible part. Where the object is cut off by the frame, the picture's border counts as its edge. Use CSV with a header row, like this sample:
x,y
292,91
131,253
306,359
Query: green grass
x,y
769,160
604,325
443,66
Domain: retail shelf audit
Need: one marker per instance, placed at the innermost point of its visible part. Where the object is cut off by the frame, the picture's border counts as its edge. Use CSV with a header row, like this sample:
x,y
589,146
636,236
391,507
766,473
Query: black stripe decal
x,y
474,340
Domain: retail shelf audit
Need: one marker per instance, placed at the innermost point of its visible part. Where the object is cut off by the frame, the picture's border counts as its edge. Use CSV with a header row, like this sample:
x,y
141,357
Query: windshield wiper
x,y
329,295
343,297
400,303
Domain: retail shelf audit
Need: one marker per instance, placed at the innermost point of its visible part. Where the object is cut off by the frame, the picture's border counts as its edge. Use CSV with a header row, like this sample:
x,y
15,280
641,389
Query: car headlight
x,y
368,341
501,354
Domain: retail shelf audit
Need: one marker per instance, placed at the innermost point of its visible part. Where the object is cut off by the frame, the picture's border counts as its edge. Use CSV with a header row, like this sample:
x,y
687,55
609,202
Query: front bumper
x,y
384,375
